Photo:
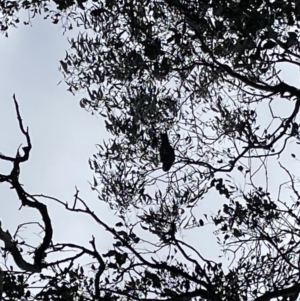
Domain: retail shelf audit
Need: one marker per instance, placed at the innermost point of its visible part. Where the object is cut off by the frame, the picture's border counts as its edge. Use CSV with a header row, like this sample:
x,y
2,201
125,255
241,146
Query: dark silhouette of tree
x,y
208,71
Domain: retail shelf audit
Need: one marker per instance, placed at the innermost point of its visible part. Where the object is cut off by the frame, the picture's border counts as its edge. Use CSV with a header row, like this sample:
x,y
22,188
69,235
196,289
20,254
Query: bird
x,y
167,153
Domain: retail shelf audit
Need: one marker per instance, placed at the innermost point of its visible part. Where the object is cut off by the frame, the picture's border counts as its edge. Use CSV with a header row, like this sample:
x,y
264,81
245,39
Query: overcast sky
x,y
63,135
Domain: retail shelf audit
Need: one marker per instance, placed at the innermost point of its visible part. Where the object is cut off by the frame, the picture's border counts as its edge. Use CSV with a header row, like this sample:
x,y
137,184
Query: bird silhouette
x,y
166,151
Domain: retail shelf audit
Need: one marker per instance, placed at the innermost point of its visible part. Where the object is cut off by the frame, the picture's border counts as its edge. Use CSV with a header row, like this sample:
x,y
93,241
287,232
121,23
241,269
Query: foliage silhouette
x,y
208,72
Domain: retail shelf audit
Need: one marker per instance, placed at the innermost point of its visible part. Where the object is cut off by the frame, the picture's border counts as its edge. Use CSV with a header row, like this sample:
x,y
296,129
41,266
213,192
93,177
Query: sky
x,y
63,134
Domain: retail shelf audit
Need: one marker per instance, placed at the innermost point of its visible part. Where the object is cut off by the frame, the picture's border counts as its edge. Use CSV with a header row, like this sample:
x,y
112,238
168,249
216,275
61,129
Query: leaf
x,y
269,44
95,182
64,66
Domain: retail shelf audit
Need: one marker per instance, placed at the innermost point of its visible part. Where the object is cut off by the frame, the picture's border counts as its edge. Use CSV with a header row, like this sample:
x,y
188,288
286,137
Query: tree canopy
x,y
196,102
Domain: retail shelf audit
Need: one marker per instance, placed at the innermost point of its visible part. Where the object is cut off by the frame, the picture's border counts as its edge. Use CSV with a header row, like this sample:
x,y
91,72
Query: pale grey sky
x,y
63,135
